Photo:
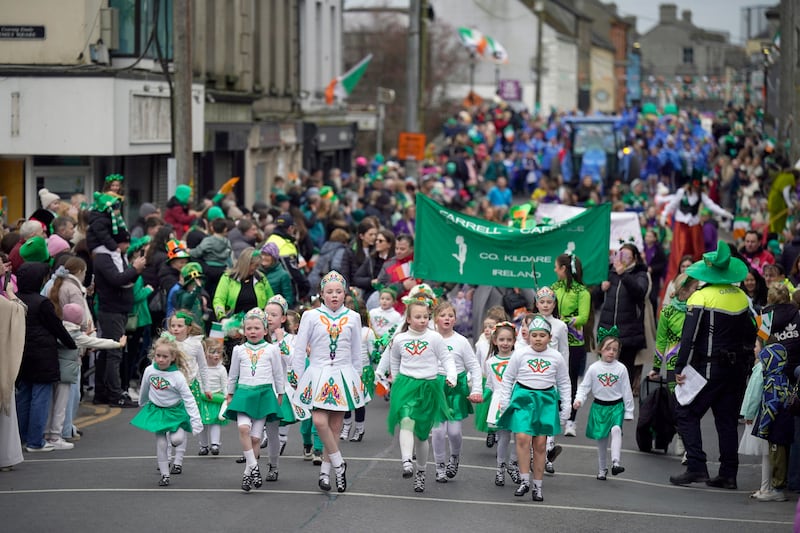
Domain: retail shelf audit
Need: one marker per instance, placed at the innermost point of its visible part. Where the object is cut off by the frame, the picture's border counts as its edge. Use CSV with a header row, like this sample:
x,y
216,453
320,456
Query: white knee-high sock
x,y
215,432
616,444
503,439
602,446
422,453
550,443
203,437
454,436
250,459
439,442
180,450
512,446
273,442
163,458
283,432
406,438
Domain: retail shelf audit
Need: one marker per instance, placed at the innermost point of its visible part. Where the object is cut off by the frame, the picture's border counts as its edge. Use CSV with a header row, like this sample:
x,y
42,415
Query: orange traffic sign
x,y
411,146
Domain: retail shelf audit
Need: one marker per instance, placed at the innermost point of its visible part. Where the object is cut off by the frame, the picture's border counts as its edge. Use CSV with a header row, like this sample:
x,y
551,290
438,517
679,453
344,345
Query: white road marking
x,y
420,499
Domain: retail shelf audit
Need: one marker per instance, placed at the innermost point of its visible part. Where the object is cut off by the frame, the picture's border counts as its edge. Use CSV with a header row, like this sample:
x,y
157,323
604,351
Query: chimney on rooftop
x,y
668,13
686,15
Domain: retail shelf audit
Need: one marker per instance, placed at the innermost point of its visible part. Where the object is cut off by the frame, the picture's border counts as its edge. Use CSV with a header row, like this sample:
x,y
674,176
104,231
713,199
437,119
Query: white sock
x,y
439,443
250,458
616,444
163,458
180,449
526,478
273,442
454,436
422,453
336,459
215,431
325,469
503,439
360,427
602,446
550,443
537,483
406,438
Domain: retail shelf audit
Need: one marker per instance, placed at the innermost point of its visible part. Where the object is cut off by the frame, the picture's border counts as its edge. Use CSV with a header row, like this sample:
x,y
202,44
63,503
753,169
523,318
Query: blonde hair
x,y
180,359
442,307
194,328
243,262
777,293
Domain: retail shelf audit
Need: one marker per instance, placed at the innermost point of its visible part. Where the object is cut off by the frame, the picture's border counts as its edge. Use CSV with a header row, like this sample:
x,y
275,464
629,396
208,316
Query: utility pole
x,y
182,95
413,76
424,47
539,10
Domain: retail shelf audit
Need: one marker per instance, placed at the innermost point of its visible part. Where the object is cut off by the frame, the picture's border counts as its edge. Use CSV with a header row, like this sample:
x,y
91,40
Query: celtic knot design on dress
x,y
415,347
539,366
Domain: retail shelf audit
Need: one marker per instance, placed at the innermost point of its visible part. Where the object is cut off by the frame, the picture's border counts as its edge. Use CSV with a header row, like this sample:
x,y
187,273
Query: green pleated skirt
x,y
209,409
421,400
456,397
603,417
531,411
157,419
257,402
482,412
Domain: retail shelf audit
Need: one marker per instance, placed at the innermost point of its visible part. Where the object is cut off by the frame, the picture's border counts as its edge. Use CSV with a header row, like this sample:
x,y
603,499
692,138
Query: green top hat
x,y
214,212
191,271
34,250
718,267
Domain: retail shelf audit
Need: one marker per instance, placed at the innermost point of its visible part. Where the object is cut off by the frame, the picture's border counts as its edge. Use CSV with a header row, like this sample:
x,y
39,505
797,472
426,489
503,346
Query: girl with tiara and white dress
x,y
168,407
559,340
189,337
459,398
276,310
607,380
534,381
255,392
418,400
503,340
331,385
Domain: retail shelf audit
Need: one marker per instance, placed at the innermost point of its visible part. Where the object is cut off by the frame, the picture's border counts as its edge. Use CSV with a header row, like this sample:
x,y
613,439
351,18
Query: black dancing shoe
x,y
358,436
255,474
491,438
500,475
536,494
203,450
617,469
247,482
240,460
523,489
452,466
325,482
164,481
272,473
176,469
554,452
419,481
341,478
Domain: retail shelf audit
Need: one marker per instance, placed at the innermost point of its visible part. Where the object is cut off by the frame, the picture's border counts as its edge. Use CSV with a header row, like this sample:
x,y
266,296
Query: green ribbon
x,y
602,333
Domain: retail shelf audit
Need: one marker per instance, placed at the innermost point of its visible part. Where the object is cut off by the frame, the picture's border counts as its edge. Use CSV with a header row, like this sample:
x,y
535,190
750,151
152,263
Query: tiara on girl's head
x,y
281,301
504,324
331,277
257,313
422,291
419,298
539,323
545,292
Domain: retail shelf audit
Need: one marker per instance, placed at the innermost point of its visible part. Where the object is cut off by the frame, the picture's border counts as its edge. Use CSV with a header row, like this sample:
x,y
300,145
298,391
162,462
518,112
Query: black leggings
x,y
577,366
361,414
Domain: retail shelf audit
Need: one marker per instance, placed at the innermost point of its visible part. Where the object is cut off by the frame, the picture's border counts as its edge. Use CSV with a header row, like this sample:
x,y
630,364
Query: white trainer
x,y
570,430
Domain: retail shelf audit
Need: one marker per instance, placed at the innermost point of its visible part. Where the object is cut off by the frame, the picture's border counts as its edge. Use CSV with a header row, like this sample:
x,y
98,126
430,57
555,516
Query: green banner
x,y
453,247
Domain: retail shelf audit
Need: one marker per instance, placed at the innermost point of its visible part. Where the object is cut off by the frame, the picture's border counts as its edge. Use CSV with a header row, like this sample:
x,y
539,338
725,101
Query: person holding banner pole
x,y
574,306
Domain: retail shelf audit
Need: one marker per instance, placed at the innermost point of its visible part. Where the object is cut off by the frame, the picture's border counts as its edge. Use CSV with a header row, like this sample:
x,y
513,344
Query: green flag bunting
x,y
452,247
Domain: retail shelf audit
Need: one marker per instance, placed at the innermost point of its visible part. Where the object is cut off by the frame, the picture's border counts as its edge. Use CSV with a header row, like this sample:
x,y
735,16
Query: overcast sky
x,y
725,15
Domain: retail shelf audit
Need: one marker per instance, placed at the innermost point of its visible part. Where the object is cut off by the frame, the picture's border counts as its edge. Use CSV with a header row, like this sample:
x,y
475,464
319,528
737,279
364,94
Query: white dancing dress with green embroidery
x,y
332,380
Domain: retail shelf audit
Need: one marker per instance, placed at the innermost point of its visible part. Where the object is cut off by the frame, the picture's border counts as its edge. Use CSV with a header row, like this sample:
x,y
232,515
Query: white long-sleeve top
x,y
256,364
318,327
418,355
482,348
382,320
465,360
607,382
537,370
692,198
166,388
217,379
198,368
367,345
558,336
286,348
494,368
84,341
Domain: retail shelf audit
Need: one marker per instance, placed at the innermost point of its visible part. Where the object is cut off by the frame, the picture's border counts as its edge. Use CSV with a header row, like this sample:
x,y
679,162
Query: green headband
x,y
602,333
185,316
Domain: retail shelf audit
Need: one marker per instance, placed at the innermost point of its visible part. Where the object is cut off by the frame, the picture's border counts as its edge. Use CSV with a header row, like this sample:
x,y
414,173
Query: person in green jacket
x,y
574,306
190,295
279,279
670,326
243,287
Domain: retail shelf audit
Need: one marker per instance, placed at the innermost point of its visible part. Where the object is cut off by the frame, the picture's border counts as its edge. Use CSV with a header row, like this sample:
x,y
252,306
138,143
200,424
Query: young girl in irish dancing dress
x,y
503,339
255,392
209,409
607,380
331,385
534,381
168,407
418,400
559,340
459,398
189,337
276,310
367,373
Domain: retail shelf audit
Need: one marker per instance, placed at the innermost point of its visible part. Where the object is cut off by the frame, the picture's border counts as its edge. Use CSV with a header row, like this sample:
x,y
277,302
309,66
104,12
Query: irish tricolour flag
x,y
342,86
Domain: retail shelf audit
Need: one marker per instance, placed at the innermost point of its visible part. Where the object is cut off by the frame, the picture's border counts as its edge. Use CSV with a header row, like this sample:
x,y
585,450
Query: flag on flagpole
x,y
473,40
497,51
342,86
